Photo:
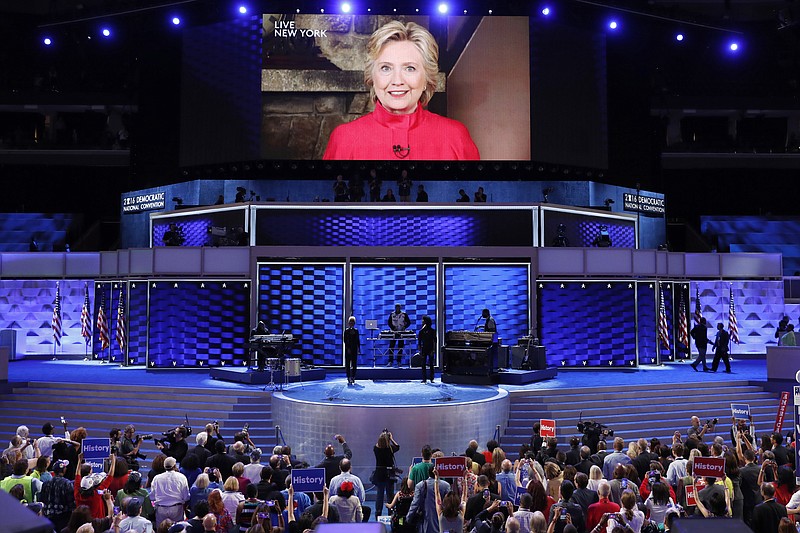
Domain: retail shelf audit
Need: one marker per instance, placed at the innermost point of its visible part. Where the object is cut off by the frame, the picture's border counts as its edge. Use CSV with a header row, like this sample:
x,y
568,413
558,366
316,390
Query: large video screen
x,y
381,87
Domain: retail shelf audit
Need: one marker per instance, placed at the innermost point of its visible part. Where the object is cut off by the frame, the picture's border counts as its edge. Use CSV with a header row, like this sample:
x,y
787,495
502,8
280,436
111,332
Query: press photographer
x,y
129,446
174,442
697,431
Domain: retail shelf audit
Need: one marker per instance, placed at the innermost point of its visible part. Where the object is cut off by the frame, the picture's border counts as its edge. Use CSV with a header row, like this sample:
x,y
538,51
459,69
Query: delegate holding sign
x,y
308,479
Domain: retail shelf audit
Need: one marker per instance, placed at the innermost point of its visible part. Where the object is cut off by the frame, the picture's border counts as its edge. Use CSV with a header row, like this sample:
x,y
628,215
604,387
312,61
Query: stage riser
x,y
666,411
448,426
250,377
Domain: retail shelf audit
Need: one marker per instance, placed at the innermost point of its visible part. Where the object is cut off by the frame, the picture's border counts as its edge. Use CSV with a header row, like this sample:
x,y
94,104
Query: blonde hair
x,y
231,484
420,37
202,481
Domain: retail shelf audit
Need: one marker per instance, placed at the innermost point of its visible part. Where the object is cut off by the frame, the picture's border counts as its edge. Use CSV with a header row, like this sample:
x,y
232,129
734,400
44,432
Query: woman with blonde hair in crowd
x,y
595,477
554,477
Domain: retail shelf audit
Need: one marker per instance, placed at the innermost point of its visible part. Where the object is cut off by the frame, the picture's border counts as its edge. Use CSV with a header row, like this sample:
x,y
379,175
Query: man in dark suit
x,y
574,452
586,462
642,461
780,451
221,461
721,349
600,456
767,515
749,485
583,495
574,510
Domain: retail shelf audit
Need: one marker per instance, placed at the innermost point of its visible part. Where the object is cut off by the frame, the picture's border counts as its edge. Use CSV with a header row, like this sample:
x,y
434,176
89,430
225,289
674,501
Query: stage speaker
x,y
416,360
717,525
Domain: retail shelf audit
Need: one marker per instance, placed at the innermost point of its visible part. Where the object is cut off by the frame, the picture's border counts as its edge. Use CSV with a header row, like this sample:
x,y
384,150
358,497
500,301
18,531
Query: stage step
x,y
636,411
99,407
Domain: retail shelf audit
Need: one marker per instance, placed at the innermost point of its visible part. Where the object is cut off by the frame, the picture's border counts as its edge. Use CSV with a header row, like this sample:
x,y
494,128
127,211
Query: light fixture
x,y
346,7
613,25
176,21
442,8
243,10
47,41
679,37
546,11
106,32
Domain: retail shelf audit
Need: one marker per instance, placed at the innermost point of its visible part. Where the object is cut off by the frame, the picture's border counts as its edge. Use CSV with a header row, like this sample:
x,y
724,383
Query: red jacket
x,y
420,135
597,510
94,501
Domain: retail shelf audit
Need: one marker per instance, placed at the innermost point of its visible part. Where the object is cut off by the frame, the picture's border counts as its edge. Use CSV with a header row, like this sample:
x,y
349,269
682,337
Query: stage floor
x,y
76,371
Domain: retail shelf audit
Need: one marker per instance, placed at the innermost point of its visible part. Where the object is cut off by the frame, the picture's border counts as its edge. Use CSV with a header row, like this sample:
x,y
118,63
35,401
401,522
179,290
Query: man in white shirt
x,y
524,514
46,442
169,492
677,468
253,470
134,522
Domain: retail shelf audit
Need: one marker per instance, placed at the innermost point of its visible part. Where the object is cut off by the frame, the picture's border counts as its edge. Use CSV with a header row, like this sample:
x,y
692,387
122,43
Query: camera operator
x,y
174,445
697,431
129,447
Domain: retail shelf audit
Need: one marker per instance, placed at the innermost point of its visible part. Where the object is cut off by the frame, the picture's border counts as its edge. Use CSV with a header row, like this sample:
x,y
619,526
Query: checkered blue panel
x,y
195,231
27,307
394,228
588,324
137,323
194,324
376,289
759,308
305,300
622,235
647,322
503,289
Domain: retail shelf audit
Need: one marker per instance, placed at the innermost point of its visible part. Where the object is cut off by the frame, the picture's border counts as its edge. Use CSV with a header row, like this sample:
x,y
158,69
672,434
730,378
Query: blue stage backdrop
x,y
198,323
27,306
377,288
582,229
503,289
106,293
137,322
647,322
759,308
305,300
588,323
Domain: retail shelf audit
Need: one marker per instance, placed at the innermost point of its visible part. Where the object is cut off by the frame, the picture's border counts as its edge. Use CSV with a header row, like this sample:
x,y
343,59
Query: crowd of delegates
x,y
225,487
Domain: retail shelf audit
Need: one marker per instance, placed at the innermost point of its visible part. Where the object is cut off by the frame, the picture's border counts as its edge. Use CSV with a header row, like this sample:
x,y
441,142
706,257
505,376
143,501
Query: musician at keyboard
x,y
261,353
398,322
488,322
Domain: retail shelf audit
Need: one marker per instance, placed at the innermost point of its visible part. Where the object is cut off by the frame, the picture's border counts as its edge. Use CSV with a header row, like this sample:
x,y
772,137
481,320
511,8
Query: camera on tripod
x,y
594,430
170,436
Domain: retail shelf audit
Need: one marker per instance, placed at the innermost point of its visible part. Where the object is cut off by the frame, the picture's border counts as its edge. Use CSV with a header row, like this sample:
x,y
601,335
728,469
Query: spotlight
x,y
679,37
243,10
346,7
106,32
176,21
613,25
47,41
546,11
442,8
733,46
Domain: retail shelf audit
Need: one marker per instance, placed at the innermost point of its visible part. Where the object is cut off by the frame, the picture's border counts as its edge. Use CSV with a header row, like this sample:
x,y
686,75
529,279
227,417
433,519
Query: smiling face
x,y
398,77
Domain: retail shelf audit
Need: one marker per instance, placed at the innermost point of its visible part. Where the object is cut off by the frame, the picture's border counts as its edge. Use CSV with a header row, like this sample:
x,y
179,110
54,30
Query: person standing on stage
x,y
700,335
721,349
398,321
427,345
352,346
489,324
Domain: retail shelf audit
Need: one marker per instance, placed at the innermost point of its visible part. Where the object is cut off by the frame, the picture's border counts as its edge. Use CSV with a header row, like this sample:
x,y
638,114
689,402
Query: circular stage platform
x,y
443,415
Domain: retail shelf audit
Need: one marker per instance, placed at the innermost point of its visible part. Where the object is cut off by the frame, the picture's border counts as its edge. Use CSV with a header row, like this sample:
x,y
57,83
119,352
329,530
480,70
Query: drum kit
x,y
290,368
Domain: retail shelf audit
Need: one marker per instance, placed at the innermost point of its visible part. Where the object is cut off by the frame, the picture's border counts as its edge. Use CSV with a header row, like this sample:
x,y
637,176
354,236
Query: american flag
x,y
56,322
102,327
733,326
698,312
683,326
663,328
86,317
121,321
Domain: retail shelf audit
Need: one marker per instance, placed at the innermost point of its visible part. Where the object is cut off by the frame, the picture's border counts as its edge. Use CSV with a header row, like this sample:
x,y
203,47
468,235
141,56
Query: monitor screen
x,y
381,87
